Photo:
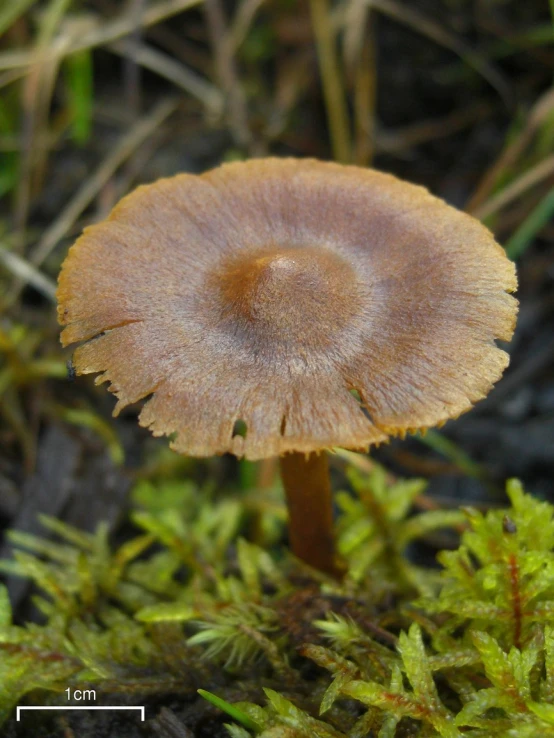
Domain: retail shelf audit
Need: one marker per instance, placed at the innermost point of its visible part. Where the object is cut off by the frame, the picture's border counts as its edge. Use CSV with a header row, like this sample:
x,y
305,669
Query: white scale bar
x,y
78,707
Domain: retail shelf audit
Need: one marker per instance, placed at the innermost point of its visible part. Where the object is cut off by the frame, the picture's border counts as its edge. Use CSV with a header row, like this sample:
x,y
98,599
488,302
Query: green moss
x,y
395,649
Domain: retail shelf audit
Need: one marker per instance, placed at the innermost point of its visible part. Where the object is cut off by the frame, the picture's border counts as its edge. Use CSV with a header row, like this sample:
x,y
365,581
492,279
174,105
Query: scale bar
x,y
77,707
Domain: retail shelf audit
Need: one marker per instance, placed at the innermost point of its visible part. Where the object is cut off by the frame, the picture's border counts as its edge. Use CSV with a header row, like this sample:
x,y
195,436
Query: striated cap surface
x,y
266,291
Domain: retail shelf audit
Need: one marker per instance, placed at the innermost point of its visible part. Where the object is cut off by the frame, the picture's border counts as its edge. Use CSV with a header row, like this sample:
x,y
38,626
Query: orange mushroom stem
x,y
310,505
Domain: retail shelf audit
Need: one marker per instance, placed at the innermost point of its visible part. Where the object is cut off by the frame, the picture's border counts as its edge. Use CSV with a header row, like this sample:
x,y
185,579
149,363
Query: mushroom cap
x,y
269,291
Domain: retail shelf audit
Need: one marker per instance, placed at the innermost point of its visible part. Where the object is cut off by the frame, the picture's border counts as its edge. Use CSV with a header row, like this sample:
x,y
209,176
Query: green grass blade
x,y
535,221
231,710
452,452
80,94
12,11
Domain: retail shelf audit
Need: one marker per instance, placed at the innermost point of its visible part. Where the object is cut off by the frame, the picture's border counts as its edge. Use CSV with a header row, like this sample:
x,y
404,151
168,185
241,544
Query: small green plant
x,y
395,649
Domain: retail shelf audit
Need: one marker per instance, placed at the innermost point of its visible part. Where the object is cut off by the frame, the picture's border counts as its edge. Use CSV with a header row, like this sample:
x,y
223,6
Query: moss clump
x,y
396,649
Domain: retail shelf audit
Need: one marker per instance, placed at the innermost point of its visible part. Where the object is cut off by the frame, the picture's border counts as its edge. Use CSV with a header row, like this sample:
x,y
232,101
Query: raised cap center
x,y
293,295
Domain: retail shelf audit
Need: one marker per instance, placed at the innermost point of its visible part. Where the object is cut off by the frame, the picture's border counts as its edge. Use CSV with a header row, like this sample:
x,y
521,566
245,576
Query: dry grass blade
x,y
401,139
104,33
166,67
84,196
537,174
538,114
11,76
427,27
37,94
333,88
354,22
27,273
12,11
360,64
38,91
365,91
227,73
293,79
131,68
240,26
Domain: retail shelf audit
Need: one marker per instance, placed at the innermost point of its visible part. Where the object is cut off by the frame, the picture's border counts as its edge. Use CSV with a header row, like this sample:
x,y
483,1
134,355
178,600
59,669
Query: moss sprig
x,y
463,651
501,577
377,525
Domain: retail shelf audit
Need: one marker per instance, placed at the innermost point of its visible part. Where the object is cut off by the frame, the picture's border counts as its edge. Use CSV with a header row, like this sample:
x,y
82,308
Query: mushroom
x,y
282,307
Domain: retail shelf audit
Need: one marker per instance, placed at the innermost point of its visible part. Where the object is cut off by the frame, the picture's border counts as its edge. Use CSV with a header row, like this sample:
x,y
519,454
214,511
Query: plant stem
x,y
228,73
310,506
333,90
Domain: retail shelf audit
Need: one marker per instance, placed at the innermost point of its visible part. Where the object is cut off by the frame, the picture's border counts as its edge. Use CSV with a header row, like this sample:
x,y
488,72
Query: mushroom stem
x,y
310,505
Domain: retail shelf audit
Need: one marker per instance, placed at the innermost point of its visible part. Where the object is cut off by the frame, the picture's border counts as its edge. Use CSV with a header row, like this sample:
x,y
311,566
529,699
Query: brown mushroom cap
x,y
266,291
